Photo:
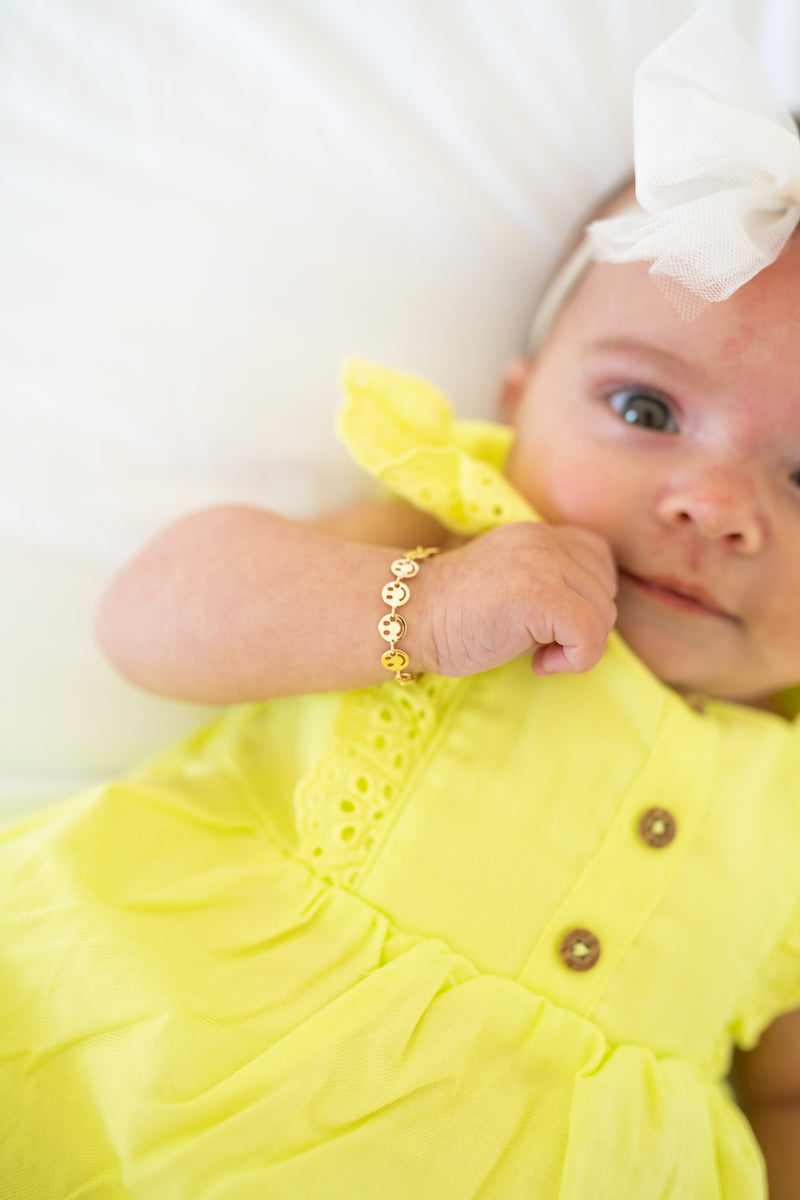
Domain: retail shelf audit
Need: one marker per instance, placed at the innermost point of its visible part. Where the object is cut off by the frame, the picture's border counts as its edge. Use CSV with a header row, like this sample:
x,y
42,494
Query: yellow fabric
x,y
402,431
312,952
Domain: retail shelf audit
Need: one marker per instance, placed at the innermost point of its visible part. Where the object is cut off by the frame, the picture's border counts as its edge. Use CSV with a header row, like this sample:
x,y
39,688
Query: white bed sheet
x,y
203,207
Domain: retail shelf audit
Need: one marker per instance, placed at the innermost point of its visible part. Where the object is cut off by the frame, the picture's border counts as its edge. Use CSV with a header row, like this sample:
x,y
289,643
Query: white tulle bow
x,y
717,168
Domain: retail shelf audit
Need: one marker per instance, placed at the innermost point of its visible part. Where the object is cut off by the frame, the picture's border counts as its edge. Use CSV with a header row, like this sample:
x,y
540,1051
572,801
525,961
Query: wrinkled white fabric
x,y
717,168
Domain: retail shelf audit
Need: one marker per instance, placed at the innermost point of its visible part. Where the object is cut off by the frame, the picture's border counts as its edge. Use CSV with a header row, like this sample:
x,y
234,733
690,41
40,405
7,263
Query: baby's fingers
x,y
550,660
578,638
593,553
567,660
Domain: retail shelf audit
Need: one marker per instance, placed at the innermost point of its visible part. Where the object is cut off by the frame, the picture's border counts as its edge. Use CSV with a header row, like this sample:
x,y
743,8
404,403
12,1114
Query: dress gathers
x,y
493,937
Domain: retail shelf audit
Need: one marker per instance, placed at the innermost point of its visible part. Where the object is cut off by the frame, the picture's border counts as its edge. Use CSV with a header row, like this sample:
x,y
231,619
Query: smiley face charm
x,y
394,660
404,568
391,627
395,593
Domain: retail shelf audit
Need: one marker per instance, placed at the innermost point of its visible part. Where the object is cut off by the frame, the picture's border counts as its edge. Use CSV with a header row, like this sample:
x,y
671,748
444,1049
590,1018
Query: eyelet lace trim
x,y
344,803
402,430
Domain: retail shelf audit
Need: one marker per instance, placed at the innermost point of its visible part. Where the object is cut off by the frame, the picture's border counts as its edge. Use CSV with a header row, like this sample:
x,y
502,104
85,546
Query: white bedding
x,y
203,207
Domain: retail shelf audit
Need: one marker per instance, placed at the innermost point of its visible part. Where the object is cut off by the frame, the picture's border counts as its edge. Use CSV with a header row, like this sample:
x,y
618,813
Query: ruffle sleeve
x,y
776,991
402,430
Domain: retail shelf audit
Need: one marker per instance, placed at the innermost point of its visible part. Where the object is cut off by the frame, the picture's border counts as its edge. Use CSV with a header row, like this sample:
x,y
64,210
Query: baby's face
x,y
679,442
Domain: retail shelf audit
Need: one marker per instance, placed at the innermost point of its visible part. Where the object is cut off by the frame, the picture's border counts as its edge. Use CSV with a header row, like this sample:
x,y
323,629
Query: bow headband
x,y
717,173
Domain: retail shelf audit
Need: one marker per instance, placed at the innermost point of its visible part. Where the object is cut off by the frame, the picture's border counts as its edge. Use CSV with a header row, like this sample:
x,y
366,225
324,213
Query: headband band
x,y
561,286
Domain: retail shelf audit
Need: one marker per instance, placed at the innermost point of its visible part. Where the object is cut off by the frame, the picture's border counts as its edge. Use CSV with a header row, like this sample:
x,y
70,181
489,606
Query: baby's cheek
x,y
573,491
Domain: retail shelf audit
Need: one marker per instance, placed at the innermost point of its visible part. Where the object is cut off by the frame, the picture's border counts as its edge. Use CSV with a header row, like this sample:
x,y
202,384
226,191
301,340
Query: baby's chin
x,y
765,702
726,691
693,682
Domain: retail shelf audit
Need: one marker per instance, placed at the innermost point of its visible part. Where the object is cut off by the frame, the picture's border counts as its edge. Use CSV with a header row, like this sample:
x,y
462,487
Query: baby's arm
x,y
236,603
767,1083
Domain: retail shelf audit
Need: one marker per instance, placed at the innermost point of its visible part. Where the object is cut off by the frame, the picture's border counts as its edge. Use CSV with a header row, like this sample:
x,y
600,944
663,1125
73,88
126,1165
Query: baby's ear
x,y
513,383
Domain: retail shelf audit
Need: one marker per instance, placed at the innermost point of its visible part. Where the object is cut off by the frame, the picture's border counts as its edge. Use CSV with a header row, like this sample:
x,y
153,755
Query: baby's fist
x,y
526,587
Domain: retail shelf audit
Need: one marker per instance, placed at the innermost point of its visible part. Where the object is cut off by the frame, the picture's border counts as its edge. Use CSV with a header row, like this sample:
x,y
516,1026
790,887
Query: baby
x,y
664,460
495,932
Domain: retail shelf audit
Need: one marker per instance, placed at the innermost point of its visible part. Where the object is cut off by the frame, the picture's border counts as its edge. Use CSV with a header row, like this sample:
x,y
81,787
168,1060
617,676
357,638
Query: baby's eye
x,y
643,409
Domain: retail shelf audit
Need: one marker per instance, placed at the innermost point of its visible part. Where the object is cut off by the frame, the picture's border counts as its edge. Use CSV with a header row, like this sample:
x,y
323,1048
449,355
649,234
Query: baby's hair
x,y
572,265
612,199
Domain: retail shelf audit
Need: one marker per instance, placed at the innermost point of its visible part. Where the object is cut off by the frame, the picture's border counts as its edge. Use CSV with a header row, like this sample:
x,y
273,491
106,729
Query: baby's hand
x,y
528,586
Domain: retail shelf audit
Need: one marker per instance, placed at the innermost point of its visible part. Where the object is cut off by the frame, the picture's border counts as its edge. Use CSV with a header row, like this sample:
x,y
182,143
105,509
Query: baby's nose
x,y
719,507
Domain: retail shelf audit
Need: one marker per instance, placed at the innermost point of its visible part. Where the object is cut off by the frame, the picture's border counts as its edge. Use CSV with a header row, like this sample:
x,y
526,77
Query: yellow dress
x,y
492,937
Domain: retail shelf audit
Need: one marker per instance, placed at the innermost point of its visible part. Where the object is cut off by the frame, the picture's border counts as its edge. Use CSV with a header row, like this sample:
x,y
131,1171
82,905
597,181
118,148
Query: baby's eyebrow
x,y
648,352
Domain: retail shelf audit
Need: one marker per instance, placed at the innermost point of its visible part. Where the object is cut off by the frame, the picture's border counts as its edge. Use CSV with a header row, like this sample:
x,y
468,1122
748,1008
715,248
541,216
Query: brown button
x,y
657,827
579,949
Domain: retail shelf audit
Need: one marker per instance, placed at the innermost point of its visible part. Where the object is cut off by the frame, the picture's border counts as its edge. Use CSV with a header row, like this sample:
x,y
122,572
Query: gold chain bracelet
x,y
392,626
